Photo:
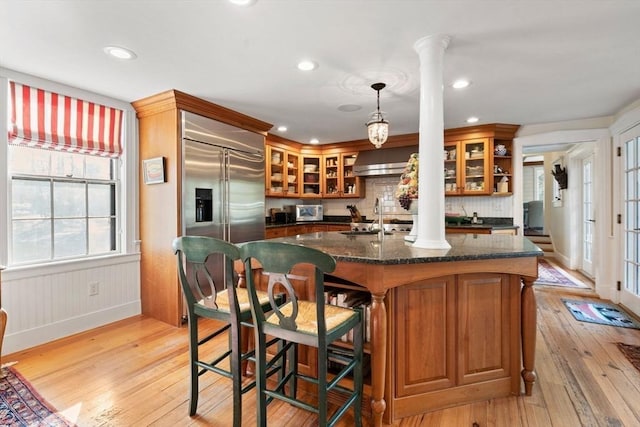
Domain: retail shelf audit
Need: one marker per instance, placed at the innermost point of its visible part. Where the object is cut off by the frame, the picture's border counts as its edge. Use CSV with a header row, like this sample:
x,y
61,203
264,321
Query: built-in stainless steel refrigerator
x,y
223,181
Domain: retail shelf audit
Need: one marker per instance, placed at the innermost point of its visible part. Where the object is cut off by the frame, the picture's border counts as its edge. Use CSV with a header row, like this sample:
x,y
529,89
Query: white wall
x,y
560,222
51,301
556,216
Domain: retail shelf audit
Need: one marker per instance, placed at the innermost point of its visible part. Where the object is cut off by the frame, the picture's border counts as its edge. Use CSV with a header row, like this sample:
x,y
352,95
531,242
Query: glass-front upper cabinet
x,y
293,174
475,167
352,186
282,172
339,179
331,173
452,179
311,168
275,173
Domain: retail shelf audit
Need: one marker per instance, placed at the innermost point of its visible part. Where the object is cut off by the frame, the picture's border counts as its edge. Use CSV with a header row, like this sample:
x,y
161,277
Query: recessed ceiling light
x,y
243,2
472,120
460,84
348,108
282,128
314,141
120,52
307,65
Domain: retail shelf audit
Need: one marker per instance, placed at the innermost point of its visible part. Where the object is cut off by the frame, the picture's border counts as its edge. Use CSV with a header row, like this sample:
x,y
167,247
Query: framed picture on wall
x,y
153,170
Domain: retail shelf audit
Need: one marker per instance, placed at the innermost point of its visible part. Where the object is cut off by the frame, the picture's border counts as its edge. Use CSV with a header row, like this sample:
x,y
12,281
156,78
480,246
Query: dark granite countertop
x,y
395,250
478,226
493,223
307,223
484,226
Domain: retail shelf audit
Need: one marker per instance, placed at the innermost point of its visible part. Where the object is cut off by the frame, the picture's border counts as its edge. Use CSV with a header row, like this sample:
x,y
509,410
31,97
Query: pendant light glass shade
x,y
378,127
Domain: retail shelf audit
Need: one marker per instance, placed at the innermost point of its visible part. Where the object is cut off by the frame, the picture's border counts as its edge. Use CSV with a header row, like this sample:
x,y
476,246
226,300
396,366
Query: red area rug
x,y
631,352
22,406
549,273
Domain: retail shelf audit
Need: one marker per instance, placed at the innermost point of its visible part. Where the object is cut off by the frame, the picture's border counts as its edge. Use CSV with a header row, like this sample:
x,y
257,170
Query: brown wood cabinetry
x,y
318,173
272,233
443,333
339,180
477,158
456,340
315,228
489,149
480,230
160,135
311,179
452,173
282,172
426,327
352,186
292,230
338,227
474,169
331,167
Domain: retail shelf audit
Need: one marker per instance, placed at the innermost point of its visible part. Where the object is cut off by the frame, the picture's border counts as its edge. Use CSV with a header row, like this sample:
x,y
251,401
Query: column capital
x,y
434,40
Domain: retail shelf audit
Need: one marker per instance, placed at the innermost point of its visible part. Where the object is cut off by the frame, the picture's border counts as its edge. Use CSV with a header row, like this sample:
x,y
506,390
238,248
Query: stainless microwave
x,y
309,213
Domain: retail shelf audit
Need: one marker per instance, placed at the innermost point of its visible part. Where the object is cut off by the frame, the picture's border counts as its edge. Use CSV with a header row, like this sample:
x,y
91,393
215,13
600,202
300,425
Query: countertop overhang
x,y
393,249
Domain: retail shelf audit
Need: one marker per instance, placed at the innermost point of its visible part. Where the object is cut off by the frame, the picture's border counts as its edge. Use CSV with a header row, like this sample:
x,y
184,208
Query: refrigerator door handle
x,y
226,196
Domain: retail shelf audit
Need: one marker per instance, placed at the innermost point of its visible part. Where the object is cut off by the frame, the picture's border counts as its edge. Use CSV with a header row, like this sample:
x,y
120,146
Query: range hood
x,y
384,161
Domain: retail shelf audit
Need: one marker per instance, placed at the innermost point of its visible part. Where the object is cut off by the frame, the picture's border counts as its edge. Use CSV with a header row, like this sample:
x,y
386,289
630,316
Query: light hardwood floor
x,y
134,373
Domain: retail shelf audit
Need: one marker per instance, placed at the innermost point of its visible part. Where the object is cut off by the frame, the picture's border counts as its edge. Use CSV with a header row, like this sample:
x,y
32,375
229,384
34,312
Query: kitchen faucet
x,y
377,210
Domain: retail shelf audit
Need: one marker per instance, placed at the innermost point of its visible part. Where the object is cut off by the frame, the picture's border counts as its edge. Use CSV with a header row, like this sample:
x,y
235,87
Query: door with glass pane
x,y
630,289
588,216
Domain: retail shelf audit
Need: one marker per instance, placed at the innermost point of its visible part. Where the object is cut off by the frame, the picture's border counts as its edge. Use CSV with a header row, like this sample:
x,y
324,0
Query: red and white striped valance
x,y
48,120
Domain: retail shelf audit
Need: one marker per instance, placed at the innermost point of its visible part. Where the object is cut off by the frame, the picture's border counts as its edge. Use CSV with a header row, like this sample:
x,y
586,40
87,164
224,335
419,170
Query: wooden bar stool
x,y
205,266
298,321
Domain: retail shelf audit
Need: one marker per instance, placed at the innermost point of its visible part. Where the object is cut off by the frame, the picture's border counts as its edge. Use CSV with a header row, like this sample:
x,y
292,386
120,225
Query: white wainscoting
x,y
49,302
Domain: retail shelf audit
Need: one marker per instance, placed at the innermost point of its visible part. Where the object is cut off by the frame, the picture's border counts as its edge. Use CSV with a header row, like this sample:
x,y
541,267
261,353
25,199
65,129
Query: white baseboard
x,y
32,337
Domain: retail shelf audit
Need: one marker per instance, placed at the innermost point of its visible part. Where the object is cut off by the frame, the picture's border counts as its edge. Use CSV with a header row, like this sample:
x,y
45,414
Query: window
x,y
63,165
533,182
538,192
63,205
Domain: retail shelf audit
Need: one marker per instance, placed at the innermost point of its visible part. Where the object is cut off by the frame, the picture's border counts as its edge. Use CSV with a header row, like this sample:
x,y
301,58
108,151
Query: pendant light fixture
x,y
378,127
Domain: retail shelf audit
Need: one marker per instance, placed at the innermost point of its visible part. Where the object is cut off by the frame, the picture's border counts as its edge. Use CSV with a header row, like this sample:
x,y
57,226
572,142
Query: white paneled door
x,y
630,289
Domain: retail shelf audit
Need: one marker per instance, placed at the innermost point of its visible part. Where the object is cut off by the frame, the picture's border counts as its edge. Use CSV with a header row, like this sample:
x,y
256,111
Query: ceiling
x,y
529,61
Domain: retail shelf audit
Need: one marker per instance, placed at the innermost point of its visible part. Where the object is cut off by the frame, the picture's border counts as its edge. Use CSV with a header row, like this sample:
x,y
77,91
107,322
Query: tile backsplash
x,y
385,187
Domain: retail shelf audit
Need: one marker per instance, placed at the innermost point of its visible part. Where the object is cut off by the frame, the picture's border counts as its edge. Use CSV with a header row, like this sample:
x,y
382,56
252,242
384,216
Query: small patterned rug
x,y
22,406
549,273
600,312
631,352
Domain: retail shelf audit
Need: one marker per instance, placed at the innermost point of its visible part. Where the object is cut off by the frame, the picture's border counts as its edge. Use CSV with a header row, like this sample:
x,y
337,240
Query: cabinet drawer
x,y
272,233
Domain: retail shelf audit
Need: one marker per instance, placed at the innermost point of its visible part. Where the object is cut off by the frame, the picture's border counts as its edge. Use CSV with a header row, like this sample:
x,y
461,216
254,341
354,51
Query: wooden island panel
x,y
425,324
456,341
448,327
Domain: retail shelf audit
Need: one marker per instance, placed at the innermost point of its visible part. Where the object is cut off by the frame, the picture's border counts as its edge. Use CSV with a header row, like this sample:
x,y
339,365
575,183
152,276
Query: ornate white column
x,y
431,232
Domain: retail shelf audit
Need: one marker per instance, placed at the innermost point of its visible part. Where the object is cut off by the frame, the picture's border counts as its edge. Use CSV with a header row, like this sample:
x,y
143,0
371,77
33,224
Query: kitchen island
x,y
448,327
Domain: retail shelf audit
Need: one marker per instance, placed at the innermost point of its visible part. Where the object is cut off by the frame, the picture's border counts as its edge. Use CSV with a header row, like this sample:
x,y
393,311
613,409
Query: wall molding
x,y
25,339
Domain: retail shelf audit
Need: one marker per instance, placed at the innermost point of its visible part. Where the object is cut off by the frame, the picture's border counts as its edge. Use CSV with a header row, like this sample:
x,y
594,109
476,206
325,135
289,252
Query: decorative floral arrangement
x,y
408,187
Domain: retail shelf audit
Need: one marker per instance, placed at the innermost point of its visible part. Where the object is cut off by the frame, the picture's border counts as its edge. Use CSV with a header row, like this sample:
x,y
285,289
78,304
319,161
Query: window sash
x,y
51,233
